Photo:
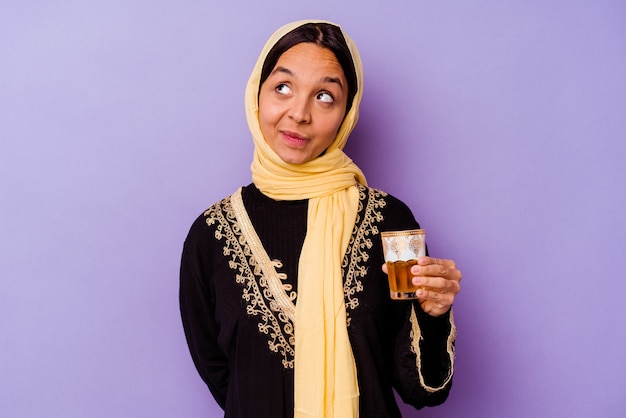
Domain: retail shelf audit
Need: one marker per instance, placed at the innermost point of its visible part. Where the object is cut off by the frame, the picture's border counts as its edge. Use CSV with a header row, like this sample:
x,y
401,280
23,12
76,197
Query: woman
x,y
284,302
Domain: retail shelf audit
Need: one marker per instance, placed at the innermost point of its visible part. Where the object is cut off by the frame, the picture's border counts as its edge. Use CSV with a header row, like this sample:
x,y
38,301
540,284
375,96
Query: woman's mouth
x,y
293,138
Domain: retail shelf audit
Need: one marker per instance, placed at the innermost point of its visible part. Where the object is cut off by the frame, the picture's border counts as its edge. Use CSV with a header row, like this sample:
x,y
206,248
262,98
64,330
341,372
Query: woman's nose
x,y
300,110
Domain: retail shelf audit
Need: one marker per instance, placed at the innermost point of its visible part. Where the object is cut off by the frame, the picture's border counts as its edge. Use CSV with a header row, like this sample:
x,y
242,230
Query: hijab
x,y
325,377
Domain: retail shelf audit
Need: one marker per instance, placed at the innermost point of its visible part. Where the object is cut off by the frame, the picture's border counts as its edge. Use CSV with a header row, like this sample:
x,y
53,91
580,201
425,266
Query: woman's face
x,y
303,102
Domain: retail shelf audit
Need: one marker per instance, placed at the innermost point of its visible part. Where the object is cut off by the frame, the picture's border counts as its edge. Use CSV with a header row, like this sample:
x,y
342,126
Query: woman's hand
x,y
438,281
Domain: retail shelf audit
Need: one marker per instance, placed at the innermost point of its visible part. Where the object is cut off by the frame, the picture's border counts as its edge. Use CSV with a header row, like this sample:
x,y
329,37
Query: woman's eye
x,y
283,89
325,97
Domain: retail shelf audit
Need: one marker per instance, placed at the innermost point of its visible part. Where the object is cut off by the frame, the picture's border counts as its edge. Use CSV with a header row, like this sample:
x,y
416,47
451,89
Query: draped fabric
x,y
325,373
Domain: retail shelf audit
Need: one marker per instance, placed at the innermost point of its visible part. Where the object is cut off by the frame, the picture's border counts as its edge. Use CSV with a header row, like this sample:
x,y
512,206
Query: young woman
x,y
283,298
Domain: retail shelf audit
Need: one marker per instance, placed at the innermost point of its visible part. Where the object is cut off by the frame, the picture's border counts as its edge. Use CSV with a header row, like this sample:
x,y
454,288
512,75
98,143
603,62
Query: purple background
x,y
502,124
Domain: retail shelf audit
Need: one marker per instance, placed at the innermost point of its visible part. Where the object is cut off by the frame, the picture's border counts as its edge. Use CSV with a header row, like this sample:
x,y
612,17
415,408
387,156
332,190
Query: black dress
x,y
237,317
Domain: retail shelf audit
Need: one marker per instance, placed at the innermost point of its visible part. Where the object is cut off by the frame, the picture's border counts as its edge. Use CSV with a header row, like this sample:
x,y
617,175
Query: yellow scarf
x,y
325,373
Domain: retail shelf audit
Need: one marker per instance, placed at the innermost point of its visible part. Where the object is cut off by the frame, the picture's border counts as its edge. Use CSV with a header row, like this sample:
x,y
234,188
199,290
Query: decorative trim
x,y
416,337
355,260
273,279
264,295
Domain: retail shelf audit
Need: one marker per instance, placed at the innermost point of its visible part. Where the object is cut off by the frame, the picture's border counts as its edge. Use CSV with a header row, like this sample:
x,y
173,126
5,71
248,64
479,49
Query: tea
x,y
400,284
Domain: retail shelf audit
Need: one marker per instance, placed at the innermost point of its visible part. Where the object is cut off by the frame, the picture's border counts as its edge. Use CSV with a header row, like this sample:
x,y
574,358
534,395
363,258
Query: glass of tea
x,y
402,249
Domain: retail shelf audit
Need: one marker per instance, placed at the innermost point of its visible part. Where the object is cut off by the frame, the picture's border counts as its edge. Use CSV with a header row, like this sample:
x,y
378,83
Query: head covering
x,y
325,372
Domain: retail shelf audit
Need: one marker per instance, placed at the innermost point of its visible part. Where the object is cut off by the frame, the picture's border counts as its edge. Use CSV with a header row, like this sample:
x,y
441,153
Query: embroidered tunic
x,y
238,292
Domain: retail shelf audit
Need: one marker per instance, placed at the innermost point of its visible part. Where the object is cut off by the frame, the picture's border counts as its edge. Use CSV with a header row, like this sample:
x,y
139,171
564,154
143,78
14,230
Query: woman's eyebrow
x,y
333,80
283,70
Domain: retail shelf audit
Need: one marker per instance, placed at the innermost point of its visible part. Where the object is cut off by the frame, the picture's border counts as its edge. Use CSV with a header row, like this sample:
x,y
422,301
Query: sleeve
x,y
424,345
424,357
197,308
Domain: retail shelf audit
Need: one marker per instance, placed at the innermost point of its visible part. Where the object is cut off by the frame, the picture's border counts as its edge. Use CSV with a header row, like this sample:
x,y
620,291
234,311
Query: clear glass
x,y
401,250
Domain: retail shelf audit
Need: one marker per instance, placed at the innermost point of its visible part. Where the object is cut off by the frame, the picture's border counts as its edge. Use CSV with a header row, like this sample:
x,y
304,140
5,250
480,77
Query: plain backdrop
x,y
502,124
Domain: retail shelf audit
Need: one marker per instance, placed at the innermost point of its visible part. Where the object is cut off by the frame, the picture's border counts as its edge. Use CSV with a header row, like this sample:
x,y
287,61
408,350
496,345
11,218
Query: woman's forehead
x,y
309,57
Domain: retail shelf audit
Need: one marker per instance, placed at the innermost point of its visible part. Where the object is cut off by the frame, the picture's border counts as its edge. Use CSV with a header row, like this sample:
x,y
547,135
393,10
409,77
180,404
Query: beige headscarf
x,y
325,373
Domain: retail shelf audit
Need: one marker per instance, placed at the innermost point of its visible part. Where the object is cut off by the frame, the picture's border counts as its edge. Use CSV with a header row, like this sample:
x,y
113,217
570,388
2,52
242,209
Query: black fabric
x,y
245,371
